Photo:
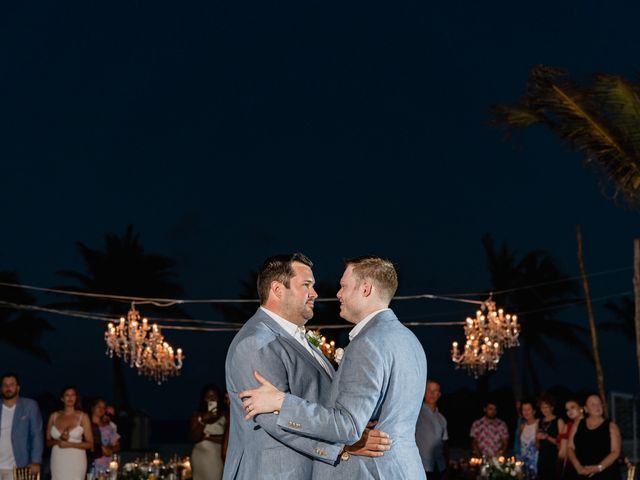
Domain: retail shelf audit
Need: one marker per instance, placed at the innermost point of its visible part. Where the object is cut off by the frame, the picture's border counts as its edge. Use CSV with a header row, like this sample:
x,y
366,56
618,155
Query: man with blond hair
x,y
381,378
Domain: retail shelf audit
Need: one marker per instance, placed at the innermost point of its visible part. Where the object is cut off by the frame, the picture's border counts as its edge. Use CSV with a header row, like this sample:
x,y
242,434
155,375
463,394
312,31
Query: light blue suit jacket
x,y
260,449
27,439
382,377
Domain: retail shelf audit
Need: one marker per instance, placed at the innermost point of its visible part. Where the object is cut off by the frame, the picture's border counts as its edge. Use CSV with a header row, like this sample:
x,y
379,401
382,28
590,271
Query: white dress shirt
x,y
299,333
360,325
7,460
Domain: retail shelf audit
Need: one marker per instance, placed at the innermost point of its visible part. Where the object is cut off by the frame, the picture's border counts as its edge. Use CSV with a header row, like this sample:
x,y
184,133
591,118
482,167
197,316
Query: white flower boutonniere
x,y
314,338
337,356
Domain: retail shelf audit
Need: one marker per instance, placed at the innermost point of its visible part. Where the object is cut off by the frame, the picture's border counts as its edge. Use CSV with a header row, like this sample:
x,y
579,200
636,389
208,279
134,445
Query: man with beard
x,y
489,434
274,342
21,438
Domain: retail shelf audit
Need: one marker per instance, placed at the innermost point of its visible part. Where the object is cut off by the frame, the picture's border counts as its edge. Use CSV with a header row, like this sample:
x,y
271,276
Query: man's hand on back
x,y
373,443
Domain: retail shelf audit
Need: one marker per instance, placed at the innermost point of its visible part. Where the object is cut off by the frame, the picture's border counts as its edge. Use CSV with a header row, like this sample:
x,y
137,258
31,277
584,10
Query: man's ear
x,y
276,288
366,288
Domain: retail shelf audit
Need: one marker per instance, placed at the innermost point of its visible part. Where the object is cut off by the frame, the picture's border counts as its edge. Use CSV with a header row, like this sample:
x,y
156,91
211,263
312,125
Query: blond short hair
x,y
379,270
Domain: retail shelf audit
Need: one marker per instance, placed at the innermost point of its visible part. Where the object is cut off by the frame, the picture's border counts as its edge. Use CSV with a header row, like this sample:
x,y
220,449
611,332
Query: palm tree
x,y
122,267
601,120
533,287
21,328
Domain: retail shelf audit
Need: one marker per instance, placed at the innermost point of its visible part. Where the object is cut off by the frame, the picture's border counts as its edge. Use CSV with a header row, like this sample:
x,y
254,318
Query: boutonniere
x,y
314,338
337,356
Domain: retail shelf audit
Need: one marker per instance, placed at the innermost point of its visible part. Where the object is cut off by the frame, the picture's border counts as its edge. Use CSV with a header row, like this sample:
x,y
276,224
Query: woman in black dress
x,y
549,428
594,445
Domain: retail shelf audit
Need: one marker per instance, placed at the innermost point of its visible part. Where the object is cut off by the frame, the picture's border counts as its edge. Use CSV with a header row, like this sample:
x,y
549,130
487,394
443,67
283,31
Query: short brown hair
x,y
379,270
278,268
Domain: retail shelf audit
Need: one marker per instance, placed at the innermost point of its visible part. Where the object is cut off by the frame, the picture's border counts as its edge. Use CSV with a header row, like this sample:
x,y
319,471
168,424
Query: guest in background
x,y
574,414
527,435
110,415
21,436
431,434
69,434
549,428
207,431
594,444
106,439
489,434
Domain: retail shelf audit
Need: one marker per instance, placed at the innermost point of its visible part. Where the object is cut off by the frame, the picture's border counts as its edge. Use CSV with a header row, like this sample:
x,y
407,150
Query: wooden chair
x,y
24,474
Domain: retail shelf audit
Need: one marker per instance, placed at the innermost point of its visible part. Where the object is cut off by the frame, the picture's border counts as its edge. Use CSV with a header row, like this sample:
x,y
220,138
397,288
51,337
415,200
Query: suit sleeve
x,y
359,387
269,361
36,434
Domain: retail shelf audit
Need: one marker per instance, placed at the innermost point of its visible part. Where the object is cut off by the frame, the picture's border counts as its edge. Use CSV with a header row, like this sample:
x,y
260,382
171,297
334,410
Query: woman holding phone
x,y
207,430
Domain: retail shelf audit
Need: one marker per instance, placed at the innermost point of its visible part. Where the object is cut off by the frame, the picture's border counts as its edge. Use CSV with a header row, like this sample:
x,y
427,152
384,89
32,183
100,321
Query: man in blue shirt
x,y
431,434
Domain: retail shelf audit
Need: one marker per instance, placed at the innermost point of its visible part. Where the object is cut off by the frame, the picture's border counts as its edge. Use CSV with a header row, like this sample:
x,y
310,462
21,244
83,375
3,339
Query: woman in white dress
x,y
207,430
69,435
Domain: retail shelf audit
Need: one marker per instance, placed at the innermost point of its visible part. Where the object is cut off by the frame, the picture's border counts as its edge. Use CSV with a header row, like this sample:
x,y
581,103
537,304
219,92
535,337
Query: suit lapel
x,y
326,361
16,416
304,353
291,342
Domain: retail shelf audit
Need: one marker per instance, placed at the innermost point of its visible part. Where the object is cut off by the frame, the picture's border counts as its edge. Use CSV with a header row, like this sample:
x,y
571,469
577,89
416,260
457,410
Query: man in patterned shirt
x,y
489,434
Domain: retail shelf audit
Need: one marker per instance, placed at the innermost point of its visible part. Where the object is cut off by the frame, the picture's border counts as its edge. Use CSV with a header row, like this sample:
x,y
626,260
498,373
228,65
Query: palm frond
x,y
601,121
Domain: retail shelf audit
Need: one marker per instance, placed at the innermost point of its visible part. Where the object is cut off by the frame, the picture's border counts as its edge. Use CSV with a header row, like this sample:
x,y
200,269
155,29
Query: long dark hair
x,y
64,389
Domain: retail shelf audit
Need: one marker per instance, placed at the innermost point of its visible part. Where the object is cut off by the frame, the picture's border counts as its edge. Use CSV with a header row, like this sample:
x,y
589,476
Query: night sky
x,y
227,132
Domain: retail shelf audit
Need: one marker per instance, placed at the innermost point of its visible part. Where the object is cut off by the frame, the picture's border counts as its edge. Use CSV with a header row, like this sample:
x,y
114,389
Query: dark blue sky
x,y
226,132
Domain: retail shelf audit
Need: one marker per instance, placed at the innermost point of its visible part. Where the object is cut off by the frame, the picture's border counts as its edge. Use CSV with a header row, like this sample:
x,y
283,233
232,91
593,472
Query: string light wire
x,y
168,302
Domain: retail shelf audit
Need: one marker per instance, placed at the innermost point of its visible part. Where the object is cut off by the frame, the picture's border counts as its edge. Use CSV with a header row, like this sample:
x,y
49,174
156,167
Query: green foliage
x,y
601,120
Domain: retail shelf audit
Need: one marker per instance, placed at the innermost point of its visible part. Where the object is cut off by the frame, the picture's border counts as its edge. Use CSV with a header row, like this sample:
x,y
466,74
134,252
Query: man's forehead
x,y
302,270
348,273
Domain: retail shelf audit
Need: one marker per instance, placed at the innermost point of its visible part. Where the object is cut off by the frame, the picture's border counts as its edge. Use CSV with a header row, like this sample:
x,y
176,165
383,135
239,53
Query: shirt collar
x,y
361,324
289,327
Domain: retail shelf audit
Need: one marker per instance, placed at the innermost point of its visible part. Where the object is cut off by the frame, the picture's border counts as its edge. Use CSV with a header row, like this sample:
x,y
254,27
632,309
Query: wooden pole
x,y
592,323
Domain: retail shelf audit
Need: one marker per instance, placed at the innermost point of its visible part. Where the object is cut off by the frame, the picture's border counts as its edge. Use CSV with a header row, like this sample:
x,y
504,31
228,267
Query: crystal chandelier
x,y
503,328
486,338
143,347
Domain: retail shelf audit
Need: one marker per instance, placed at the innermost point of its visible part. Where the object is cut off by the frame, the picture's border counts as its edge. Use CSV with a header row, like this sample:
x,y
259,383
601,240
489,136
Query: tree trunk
x,y
636,291
592,322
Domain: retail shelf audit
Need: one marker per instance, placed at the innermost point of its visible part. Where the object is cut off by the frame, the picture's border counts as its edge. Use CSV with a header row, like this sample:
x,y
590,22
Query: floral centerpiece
x,y
501,468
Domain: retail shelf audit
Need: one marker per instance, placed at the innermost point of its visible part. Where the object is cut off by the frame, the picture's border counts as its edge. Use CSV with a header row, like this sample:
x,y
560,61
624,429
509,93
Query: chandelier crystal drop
x,y
143,347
